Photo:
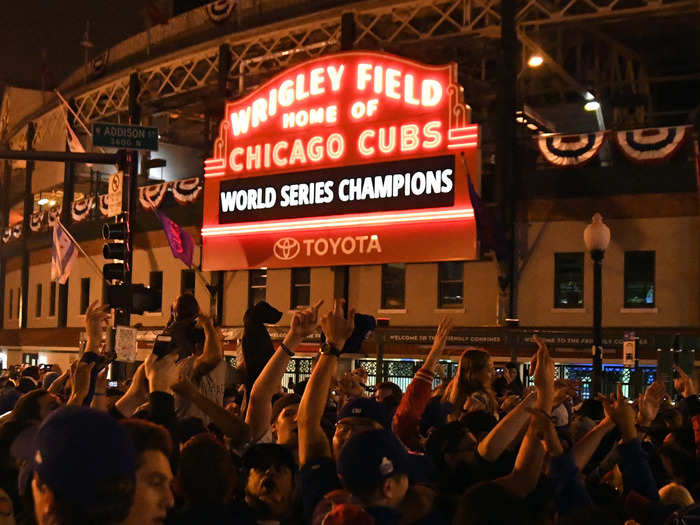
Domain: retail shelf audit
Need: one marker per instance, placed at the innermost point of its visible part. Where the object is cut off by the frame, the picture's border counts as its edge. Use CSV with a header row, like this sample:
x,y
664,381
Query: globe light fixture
x,y
596,237
593,105
535,61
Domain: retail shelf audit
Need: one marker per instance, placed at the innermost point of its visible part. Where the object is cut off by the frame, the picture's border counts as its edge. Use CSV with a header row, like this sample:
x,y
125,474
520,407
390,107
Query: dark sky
x,y
28,26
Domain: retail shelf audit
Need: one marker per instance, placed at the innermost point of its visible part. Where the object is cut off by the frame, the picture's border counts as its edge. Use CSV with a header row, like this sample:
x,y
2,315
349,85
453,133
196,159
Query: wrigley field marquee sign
x,y
354,158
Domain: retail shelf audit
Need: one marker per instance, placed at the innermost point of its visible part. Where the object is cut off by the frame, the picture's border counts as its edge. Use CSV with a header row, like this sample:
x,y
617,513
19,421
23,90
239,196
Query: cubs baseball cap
x,y
78,448
368,408
282,403
370,457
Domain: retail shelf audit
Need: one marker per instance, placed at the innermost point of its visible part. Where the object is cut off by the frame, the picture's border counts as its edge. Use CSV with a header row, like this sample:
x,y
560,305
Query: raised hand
x,y
443,331
649,403
619,410
80,381
336,326
684,384
206,322
543,376
162,373
96,319
304,322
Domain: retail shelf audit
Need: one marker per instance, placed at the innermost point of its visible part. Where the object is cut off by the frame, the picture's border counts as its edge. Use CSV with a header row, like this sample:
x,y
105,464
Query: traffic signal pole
x,y
122,316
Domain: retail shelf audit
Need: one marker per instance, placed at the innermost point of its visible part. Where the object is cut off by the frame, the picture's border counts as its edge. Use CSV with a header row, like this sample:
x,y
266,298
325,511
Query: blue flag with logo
x,y
63,254
181,242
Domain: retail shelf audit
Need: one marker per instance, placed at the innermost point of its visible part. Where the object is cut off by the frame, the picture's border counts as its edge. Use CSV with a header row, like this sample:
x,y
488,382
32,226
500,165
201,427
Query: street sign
x,y
114,196
126,137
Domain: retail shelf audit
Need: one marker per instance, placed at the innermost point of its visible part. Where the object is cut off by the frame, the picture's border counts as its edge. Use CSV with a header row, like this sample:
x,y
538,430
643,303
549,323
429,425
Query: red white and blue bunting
x,y
651,144
570,150
35,221
104,205
150,196
187,190
81,209
17,230
54,215
6,235
220,10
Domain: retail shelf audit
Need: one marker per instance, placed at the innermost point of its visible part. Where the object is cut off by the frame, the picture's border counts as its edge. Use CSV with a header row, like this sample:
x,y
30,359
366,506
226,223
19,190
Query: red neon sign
x,y
344,109
323,116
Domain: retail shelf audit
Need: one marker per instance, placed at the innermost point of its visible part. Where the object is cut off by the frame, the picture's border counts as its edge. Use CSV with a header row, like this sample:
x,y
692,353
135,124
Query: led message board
x,y
354,158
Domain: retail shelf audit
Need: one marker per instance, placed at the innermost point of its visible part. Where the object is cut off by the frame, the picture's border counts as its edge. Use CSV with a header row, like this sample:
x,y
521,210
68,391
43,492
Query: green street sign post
x,y
124,137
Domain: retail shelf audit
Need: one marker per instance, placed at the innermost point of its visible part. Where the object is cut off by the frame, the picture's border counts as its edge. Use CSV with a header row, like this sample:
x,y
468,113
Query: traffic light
x,y
134,298
116,248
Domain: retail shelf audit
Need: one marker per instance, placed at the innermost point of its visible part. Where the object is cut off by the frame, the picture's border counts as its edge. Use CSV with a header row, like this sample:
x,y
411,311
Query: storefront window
x,y
451,284
568,280
257,286
639,279
187,281
52,299
155,280
301,287
394,286
84,294
38,300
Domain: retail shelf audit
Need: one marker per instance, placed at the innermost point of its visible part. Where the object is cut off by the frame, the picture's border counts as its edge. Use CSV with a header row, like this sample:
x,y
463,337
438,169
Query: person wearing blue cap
x,y
318,475
375,467
84,469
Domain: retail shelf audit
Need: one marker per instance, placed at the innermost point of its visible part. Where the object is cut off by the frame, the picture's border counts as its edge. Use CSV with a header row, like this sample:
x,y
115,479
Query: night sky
x,y
28,26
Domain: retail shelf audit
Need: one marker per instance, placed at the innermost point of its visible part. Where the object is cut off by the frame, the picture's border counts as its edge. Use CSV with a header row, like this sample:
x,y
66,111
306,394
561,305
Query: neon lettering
x,y
316,83
301,94
409,137
363,148
392,83
276,153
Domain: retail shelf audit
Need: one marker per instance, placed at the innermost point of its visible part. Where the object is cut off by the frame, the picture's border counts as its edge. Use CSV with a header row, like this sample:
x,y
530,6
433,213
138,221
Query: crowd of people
x,y
188,439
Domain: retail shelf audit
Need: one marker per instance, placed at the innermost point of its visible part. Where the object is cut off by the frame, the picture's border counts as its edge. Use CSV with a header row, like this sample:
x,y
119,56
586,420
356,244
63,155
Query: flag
x,y
74,143
63,254
488,229
181,242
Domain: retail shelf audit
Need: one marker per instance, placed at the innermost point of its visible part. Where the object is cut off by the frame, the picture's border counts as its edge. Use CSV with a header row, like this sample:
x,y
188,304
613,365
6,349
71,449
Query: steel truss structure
x,y
260,52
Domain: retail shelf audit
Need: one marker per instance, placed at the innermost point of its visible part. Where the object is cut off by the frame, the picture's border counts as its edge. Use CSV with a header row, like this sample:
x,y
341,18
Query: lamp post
x,y
596,236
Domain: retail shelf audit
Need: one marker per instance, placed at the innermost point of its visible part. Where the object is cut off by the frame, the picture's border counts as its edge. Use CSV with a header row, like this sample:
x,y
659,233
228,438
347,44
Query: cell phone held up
x,y
163,345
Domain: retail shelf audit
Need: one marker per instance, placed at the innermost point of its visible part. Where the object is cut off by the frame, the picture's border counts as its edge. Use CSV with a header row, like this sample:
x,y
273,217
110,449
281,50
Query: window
x,y
568,280
394,286
52,299
30,359
38,299
301,287
257,286
10,309
155,282
640,268
187,281
451,284
84,294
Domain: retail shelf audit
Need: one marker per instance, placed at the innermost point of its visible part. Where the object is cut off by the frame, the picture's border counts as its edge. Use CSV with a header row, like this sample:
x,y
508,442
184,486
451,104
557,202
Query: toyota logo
x,y
286,248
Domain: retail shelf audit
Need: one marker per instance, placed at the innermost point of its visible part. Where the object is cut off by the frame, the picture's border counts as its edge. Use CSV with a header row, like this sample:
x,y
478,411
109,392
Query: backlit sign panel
x,y
358,154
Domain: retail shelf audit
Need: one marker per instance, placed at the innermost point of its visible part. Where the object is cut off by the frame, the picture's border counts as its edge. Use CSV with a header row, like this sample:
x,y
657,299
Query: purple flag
x,y
181,242
489,230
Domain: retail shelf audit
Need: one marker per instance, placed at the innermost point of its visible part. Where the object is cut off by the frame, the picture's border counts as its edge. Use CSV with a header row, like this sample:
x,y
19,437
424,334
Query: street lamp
x,y
596,236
